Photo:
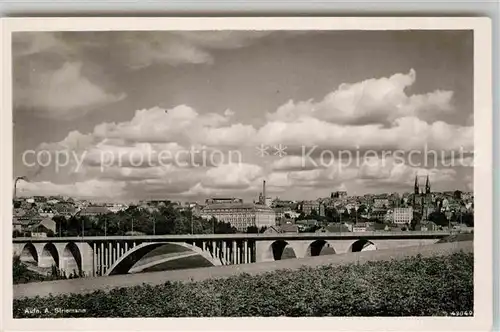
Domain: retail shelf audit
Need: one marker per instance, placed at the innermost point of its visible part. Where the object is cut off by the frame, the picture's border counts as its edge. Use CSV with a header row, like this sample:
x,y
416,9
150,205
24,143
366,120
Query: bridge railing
x,y
195,237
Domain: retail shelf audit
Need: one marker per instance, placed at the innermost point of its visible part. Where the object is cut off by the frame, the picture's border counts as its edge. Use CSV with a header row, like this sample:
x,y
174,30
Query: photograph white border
x,y
483,181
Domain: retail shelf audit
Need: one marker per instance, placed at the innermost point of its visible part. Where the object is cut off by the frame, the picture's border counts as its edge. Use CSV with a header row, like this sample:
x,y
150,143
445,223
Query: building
x,y
115,208
282,213
321,210
339,194
44,226
223,200
289,228
422,200
308,206
402,215
380,203
240,215
65,210
263,198
359,227
93,211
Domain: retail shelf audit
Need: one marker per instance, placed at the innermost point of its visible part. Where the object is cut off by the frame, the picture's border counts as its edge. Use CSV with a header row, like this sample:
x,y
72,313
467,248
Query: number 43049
x,y
462,313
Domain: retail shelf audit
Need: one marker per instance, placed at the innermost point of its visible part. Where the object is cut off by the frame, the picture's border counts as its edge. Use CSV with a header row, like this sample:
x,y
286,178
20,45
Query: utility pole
x,y
191,217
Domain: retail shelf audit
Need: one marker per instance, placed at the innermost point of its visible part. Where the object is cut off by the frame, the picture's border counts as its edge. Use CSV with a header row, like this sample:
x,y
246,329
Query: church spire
x,y
415,188
427,186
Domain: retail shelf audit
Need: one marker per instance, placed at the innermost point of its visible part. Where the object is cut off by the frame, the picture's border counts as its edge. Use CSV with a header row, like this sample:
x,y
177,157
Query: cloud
x,y
340,122
293,163
388,171
405,133
376,100
181,124
143,49
137,49
92,188
63,94
29,43
234,176
48,65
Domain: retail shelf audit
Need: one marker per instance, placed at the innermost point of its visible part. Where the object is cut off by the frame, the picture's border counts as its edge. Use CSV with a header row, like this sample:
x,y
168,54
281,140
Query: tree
x,y
60,223
457,194
417,217
413,224
468,219
301,216
438,218
345,215
252,229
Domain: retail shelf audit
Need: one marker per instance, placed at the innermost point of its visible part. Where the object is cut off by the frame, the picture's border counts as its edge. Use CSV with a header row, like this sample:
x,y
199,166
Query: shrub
x,y
415,286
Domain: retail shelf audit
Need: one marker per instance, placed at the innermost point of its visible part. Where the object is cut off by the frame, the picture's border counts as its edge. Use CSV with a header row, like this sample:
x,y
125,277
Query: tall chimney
x,y
264,191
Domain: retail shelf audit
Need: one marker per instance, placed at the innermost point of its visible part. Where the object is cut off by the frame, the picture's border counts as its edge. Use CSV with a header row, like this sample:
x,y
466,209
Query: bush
x,y
21,274
416,286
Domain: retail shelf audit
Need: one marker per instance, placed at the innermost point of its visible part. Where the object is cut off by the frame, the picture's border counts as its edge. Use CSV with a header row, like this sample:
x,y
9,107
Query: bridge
x,y
110,255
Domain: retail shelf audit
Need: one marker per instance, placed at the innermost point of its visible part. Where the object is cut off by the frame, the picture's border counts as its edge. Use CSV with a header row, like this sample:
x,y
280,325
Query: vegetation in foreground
x,y
22,275
458,238
415,286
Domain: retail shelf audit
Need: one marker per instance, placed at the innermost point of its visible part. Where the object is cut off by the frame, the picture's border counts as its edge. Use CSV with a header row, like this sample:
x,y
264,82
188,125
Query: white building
x,y
402,215
241,215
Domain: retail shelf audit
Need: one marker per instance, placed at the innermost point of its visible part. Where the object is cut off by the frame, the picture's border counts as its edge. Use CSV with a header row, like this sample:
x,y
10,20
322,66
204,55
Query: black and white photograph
x,y
245,173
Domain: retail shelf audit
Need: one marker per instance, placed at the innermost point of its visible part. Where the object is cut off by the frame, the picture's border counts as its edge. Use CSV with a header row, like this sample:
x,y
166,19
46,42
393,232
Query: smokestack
x,y
264,191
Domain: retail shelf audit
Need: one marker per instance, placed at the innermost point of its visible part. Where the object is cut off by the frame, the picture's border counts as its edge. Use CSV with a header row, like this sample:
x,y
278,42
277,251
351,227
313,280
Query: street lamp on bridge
x,y
15,184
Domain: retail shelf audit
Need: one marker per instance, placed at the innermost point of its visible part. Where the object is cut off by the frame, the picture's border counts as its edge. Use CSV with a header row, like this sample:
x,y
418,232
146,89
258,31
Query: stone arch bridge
x,y
100,255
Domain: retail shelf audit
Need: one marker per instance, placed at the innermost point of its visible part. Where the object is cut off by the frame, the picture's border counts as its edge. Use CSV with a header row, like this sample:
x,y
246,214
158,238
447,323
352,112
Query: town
x,y
420,210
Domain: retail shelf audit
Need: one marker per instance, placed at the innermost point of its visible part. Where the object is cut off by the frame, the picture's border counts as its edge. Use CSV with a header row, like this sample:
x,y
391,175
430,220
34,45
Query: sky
x,y
127,116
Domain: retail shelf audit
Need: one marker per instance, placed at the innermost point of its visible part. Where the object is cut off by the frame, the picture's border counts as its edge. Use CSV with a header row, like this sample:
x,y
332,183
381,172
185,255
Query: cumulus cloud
x,y
235,176
387,170
376,100
406,133
293,163
181,124
374,114
64,93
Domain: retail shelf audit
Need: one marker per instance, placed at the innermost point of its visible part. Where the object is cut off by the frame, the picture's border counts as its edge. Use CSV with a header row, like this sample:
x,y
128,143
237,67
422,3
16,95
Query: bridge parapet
x,y
96,255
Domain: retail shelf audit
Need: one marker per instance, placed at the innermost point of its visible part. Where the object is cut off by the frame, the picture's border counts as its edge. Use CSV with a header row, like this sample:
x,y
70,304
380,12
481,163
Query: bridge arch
x,y
320,247
29,253
49,256
71,261
127,261
362,245
281,249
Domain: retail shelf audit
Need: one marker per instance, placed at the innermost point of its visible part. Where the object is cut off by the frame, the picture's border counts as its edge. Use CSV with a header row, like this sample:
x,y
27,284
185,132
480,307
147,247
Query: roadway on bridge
x,y
244,236
87,285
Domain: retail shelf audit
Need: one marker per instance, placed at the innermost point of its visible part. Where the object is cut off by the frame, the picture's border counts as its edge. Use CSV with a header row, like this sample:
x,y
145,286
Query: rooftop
x,y
237,205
